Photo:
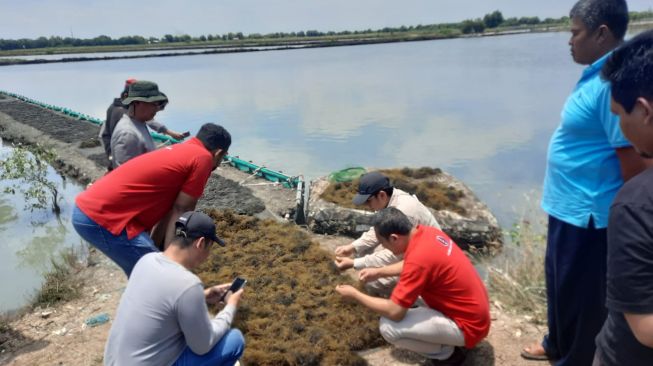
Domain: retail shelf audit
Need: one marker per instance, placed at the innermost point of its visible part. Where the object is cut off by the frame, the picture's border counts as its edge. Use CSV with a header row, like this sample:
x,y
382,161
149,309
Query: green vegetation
x,y
291,314
516,278
28,166
493,21
60,284
421,182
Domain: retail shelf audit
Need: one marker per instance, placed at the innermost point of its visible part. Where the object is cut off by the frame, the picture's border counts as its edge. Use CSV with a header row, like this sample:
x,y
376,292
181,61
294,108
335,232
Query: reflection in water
x,y
30,240
482,108
47,238
7,214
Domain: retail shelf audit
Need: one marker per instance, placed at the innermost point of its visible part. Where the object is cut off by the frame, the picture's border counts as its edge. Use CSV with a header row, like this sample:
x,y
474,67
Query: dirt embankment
x,y
60,336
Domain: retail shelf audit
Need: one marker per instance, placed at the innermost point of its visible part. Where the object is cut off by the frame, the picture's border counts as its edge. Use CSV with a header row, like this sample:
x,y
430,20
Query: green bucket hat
x,y
144,91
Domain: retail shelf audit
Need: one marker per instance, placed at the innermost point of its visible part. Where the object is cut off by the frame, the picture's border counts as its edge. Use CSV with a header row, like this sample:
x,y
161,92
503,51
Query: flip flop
x,y
532,356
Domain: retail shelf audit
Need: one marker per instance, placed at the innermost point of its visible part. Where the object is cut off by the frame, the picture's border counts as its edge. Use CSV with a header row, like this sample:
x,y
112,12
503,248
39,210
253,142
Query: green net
x,y
347,175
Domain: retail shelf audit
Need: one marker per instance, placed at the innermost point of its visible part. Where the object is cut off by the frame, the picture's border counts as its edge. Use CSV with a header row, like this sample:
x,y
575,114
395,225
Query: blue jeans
x,y
121,250
225,353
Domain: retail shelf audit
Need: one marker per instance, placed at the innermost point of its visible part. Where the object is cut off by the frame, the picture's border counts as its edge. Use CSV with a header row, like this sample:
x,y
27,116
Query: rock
x,y
46,314
477,228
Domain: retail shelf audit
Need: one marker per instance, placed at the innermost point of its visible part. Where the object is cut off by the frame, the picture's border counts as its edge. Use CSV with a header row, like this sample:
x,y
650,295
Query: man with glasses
x,y
131,137
115,112
380,268
163,318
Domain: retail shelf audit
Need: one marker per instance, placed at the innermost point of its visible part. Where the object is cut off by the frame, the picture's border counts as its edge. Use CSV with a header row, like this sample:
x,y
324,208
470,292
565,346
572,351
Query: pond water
x,y
481,108
31,239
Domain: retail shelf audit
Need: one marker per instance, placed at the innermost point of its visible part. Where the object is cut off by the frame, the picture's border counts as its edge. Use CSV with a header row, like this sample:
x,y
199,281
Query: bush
x,y
60,284
517,278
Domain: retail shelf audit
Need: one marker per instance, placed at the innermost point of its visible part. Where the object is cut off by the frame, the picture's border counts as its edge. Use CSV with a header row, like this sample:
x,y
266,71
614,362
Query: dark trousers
x,y
575,265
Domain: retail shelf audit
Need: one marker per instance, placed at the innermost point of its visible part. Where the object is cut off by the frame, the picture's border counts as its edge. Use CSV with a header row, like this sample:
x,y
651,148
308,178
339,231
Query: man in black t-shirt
x,y
627,335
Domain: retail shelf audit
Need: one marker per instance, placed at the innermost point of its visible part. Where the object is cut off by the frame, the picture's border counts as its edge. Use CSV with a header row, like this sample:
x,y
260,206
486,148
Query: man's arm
x,y
367,241
161,128
371,274
201,333
631,162
383,307
164,230
642,327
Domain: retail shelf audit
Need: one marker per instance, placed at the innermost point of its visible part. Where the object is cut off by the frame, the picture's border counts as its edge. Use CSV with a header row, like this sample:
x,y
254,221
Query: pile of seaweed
x,y
290,313
421,182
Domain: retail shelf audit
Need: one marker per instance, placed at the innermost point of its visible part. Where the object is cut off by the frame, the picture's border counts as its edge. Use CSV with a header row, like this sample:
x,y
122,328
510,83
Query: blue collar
x,y
595,67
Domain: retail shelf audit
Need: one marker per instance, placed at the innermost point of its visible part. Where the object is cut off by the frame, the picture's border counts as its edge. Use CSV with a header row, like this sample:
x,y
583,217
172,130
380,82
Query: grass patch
x,y
517,278
60,283
420,182
291,314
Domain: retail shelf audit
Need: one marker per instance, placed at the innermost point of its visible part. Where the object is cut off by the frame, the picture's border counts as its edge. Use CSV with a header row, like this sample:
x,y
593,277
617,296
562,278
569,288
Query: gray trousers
x,y
425,331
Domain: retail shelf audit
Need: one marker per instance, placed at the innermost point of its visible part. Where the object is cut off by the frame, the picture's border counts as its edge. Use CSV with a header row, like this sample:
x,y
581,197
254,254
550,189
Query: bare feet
x,y
534,351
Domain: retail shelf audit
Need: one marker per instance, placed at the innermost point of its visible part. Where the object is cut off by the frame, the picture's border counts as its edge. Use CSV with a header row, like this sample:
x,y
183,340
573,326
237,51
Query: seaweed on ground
x,y
290,314
420,182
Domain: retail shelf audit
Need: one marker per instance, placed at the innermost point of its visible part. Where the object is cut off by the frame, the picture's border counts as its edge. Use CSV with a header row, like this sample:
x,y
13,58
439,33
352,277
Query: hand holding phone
x,y
238,283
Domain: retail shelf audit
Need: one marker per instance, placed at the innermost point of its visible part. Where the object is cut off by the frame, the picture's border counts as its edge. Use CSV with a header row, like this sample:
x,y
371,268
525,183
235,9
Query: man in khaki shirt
x,y
379,268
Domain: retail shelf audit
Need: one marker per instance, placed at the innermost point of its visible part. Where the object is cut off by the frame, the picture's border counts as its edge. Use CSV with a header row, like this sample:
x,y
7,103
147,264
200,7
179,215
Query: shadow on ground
x,y
13,343
481,355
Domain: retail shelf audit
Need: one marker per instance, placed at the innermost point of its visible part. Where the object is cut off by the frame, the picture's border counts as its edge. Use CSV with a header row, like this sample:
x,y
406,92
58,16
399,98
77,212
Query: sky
x,y
91,18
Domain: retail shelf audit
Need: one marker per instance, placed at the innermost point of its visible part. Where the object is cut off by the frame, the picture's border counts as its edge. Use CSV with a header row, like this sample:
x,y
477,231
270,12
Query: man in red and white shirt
x,y
440,303
132,210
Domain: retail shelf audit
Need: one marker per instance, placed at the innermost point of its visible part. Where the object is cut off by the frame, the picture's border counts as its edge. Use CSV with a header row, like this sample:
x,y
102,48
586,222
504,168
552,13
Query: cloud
x,y
447,140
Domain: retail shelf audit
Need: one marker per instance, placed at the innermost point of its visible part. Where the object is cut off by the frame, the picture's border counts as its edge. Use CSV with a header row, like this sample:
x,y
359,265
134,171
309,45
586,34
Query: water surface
x,y
480,108
30,240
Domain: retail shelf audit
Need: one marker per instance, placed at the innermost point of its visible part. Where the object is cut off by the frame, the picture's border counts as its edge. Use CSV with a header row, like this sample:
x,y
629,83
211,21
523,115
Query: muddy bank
x,y
81,157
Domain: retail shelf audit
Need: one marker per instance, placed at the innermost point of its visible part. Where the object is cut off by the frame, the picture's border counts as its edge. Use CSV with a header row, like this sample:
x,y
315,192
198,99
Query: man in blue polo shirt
x,y
588,161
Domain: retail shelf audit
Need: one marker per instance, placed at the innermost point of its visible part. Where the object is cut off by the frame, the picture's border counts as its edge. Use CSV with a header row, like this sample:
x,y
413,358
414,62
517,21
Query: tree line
x,y
469,26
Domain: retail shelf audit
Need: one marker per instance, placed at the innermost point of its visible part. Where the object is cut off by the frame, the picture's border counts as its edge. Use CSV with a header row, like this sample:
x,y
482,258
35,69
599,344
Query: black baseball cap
x,y
194,224
370,184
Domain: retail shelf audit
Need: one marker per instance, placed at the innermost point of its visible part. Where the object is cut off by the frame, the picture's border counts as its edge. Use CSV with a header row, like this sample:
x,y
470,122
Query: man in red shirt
x,y
440,303
132,210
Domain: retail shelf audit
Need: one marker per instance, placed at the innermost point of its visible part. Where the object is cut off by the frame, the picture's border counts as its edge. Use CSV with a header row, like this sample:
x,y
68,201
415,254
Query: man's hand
x,y
345,250
347,291
213,294
344,263
234,298
175,135
369,274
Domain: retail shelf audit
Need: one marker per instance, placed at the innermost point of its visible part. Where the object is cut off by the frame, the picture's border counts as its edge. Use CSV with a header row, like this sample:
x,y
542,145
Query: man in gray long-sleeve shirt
x,y
380,269
163,319
131,138
115,113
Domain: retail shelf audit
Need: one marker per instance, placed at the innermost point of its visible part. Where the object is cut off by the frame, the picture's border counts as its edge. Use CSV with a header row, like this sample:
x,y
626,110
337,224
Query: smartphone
x,y
238,283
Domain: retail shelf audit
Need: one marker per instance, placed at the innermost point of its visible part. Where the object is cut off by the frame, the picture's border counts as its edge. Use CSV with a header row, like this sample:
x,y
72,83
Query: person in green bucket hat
x,y
131,137
115,112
